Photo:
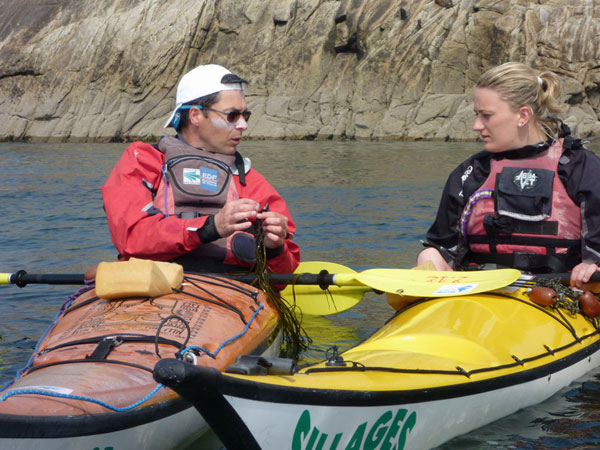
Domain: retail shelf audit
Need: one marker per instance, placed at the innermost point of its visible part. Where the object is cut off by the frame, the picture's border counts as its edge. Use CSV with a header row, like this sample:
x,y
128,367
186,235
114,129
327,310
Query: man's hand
x,y
275,227
236,216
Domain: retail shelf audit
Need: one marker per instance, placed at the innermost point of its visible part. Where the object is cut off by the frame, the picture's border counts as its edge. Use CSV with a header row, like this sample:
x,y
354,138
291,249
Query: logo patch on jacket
x,y
191,176
210,179
207,178
525,179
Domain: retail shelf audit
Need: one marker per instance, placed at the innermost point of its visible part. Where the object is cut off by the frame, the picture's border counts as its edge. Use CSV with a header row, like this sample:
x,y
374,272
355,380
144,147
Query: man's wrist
x,y
274,252
208,232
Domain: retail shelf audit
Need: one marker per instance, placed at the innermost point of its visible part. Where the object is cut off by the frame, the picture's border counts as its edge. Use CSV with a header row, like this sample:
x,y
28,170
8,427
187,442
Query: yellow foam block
x,y
171,271
137,278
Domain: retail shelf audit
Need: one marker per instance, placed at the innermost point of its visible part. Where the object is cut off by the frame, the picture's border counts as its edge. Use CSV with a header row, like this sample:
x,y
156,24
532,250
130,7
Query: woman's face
x,y
496,121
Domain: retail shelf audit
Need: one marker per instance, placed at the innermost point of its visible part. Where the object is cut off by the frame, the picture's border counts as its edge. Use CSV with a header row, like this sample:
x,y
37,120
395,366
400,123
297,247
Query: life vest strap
x,y
529,262
549,243
495,224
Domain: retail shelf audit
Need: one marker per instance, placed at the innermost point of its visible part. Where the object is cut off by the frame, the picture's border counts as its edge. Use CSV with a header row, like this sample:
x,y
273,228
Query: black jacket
x,y
579,171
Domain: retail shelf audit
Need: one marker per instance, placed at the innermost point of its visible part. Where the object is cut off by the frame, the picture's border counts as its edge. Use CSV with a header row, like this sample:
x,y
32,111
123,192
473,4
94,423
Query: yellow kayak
x,y
439,368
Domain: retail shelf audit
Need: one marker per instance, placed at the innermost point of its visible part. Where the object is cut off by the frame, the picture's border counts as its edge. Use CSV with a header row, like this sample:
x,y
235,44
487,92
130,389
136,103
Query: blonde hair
x,y
520,85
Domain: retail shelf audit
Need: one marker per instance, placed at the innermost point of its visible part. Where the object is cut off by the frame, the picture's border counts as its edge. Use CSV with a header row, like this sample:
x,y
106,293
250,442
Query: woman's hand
x,y
433,255
581,274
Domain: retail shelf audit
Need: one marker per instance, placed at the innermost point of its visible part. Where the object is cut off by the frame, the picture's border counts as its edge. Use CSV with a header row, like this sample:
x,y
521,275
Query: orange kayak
x,y
89,383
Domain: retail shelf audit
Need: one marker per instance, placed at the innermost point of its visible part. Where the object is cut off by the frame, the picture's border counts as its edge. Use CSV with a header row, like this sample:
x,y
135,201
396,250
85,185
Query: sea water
x,y
360,204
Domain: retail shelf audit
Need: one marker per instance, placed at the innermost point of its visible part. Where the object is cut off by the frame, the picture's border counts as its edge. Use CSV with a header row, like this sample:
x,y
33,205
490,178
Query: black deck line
x,y
255,390
206,388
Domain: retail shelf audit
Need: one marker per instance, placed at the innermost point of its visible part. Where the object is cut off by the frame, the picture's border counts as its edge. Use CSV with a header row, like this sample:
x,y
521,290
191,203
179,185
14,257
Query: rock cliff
x,y
319,69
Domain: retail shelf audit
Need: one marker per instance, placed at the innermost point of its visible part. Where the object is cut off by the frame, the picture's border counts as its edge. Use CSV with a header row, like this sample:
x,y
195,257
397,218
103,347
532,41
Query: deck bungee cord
x,y
195,348
89,285
566,298
359,367
216,300
187,353
82,398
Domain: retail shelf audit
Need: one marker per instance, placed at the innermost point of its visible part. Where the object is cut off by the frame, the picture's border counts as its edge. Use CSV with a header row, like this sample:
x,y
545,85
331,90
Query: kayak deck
x,y
93,367
445,341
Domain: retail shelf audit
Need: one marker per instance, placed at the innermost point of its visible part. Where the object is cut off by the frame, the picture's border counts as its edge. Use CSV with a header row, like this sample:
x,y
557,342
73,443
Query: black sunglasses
x,y
232,116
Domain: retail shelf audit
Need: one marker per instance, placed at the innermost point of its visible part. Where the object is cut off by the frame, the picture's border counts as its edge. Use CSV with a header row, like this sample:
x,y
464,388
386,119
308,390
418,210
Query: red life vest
x,y
522,216
197,183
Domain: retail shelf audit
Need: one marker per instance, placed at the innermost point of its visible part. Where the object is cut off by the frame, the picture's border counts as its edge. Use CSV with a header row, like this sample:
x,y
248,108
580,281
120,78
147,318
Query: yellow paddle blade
x,y
397,301
312,300
426,283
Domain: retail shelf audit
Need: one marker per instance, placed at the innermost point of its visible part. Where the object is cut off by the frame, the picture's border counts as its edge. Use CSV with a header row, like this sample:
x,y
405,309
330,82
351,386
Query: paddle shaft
x,y
22,278
323,280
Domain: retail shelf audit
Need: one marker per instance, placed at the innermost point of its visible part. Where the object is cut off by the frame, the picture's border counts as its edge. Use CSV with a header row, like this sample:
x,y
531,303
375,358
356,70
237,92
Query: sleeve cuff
x,y
274,252
448,255
208,232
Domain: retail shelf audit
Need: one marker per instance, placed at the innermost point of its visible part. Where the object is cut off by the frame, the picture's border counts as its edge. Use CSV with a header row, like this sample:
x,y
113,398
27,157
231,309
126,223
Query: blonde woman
x,y
531,199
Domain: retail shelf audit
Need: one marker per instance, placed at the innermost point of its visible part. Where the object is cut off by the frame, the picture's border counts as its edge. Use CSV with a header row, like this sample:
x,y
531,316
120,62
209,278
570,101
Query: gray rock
x,y
386,69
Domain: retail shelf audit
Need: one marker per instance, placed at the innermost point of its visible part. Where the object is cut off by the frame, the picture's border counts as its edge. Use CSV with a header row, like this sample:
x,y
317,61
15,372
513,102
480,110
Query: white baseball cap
x,y
202,81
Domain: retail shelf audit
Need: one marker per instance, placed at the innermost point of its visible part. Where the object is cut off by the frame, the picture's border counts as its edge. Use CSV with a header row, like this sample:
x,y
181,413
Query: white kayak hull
x,y
156,435
394,426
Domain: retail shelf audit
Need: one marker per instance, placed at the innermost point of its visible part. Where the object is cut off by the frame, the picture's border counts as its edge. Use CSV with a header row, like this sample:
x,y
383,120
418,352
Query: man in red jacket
x,y
192,198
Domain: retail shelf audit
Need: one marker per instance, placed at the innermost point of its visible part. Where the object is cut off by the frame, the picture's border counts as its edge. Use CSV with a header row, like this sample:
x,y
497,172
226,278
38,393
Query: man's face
x,y
214,132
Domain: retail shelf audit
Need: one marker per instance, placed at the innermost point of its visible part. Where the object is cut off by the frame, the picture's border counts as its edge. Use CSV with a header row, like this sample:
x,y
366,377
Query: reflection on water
x,y
322,330
361,204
